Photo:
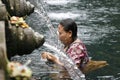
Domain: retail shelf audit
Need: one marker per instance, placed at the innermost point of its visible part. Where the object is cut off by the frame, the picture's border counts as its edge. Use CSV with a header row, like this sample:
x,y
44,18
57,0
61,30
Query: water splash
x,y
63,15
56,2
71,67
59,2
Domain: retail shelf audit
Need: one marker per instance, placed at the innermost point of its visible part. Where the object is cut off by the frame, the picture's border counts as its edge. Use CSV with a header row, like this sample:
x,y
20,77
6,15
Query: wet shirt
x,y
78,53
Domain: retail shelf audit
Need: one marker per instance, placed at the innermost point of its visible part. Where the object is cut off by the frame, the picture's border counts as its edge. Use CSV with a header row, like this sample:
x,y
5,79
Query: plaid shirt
x,y
78,53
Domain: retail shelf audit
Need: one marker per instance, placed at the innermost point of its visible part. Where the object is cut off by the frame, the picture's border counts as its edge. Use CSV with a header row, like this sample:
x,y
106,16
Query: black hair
x,y
70,25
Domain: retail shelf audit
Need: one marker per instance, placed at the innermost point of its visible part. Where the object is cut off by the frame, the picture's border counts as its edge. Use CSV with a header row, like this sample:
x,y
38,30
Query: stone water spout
x,y
18,7
19,40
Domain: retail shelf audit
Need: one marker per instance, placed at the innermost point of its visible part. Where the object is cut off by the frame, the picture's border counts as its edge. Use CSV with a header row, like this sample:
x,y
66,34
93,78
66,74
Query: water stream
x,y
72,69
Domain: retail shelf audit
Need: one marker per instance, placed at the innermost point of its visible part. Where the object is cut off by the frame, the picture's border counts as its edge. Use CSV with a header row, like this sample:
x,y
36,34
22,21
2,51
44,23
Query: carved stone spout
x,y
22,41
18,7
19,40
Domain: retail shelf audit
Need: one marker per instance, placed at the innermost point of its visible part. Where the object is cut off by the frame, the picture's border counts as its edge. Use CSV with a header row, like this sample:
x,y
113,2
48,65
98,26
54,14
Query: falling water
x,y
53,33
72,69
